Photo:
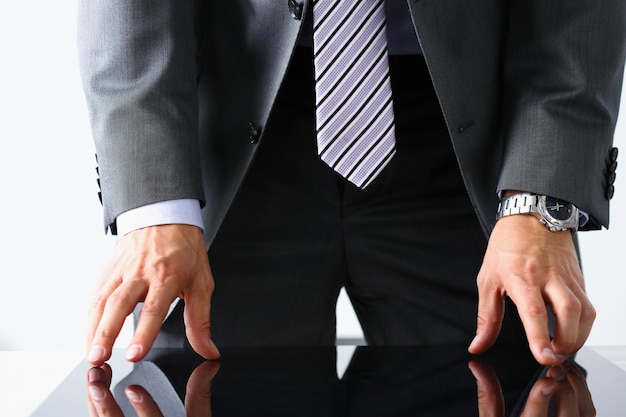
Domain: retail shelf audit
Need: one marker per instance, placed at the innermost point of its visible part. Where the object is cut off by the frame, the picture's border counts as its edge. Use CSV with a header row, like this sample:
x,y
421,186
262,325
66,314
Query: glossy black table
x,y
347,381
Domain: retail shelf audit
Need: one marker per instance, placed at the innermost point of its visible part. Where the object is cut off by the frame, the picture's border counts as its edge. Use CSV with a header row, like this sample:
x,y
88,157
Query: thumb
x,y
489,320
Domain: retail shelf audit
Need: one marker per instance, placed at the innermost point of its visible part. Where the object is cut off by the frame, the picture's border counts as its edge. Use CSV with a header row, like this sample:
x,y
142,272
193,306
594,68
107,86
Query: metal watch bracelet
x,y
557,215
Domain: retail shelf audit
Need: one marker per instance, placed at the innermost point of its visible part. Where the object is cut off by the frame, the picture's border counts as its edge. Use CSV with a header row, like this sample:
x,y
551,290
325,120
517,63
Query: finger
x,y
98,384
93,412
489,318
586,319
118,306
533,312
490,400
142,402
579,384
102,374
153,312
108,374
538,401
198,394
99,304
197,316
101,402
572,278
565,399
98,376
567,311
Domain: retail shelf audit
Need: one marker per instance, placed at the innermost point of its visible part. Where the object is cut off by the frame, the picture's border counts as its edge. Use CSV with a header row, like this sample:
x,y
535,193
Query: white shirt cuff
x,y
184,211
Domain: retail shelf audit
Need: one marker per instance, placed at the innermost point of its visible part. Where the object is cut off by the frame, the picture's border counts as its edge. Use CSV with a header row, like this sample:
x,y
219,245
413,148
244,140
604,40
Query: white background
x,y
53,246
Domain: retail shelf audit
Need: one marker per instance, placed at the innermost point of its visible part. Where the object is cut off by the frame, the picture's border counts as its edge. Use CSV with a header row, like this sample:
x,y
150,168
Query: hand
x,y
101,402
154,265
566,384
537,268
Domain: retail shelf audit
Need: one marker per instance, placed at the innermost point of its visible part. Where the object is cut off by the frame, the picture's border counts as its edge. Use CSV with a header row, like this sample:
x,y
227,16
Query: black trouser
x,y
407,248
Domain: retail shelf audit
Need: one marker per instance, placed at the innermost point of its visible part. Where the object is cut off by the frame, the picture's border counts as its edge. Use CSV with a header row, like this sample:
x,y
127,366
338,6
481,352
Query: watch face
x,y
559,209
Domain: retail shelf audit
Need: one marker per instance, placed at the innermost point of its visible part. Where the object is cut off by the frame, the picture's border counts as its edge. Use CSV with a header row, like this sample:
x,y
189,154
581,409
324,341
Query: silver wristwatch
x,y
557,215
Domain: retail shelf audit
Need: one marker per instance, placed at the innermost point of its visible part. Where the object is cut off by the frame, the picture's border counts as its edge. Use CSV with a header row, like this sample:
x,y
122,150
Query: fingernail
x,y
215,347
96,393
548,353
133,396
474,342
133,352
557,373
95,375
561,358
549,390
474,374
96,354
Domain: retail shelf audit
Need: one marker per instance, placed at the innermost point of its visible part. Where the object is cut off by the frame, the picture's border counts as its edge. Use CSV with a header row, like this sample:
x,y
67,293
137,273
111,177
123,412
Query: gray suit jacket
x,y
179,93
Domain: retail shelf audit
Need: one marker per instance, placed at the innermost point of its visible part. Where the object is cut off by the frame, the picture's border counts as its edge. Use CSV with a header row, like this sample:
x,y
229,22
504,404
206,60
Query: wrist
x,y
555,214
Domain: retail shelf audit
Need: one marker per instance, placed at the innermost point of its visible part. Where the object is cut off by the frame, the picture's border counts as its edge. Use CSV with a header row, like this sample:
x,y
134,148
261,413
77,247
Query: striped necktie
x,y
355,126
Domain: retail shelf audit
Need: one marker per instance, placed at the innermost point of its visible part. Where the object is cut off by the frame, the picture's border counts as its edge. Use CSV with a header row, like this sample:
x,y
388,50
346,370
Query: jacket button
x,y
465,126
610,191
295,8
254,133
612,167
610,179
613,154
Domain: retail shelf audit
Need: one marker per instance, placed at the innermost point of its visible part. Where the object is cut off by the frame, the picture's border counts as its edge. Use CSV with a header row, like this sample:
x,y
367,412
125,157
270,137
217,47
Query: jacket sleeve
x,y
139,72
563,70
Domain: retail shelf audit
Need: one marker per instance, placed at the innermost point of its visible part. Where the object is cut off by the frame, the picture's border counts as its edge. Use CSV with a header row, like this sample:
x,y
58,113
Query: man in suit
x,y
211,104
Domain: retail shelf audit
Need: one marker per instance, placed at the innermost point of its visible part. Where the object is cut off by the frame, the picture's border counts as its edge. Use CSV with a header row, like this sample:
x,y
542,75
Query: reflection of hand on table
x,y
566,384
101,402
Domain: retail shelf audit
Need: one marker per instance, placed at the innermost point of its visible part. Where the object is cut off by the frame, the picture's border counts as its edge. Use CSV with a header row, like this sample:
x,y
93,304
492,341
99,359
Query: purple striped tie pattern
x,y
355,122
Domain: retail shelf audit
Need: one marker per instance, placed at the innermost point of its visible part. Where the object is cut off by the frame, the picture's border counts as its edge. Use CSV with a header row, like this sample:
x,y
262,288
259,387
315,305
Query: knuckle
x,y
152,309
487,320
590,413
118,299
589,313
99,303
487,288
195,325
209,283
481,279
571,305
484,281
105,333
536,311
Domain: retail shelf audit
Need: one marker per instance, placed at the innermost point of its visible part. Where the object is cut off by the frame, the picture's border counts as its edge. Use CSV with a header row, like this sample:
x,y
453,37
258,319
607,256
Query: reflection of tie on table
x,y
355,126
